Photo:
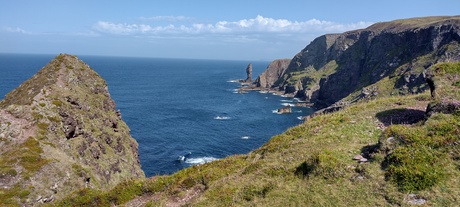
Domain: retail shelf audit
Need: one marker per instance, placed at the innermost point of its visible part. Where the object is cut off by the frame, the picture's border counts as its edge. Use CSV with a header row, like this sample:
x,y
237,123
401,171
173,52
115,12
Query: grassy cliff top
x,y
413,23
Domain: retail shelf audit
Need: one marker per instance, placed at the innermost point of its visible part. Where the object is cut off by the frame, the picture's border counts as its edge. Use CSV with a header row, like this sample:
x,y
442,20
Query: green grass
x,y
28,156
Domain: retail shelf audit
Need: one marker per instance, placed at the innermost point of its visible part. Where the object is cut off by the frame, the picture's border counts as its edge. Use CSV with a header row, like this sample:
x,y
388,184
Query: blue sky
x,y
202,29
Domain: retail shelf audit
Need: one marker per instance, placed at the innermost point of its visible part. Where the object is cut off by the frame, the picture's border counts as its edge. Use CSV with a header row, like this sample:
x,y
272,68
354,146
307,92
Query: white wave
x,y
234,90
200,160
233,81
300,117
288,104
263,91
290,101
184,157
275,111
299,111
222,117
245,137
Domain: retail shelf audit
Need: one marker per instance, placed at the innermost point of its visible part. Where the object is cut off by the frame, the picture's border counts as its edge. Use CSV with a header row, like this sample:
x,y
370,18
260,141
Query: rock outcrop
x,y
274,71
444,82
60,131
338,66
285,110
248,74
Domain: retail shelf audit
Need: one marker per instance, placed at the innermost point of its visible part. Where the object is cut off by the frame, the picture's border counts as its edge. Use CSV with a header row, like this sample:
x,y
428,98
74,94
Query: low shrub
x,y
415,167
323,164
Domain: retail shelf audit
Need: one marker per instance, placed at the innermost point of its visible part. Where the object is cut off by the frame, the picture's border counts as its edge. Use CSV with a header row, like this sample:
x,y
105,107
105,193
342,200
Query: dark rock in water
x,y
62,132
249,74
184,157
285,110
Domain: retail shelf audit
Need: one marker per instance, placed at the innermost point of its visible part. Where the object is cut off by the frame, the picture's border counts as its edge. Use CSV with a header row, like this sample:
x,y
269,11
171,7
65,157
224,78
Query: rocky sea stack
x,y
60,131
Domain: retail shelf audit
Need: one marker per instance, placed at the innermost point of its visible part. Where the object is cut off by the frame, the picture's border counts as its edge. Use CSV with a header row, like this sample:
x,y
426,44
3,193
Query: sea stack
x,y
59,132
249,73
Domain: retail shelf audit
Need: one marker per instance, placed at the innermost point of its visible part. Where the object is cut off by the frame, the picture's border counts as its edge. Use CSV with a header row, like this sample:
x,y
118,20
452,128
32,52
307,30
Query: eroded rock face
x,y
274,71
60,131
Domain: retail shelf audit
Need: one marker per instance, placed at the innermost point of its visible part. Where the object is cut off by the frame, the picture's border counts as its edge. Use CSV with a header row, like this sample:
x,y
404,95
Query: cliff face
x,y
273,72
335,66
60,131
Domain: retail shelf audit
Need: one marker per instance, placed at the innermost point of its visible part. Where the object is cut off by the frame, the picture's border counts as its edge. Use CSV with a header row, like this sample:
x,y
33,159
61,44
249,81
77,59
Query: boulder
x,y
285,110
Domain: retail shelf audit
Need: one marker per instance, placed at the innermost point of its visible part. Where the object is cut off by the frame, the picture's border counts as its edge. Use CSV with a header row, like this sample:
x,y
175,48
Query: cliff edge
x,y
60,131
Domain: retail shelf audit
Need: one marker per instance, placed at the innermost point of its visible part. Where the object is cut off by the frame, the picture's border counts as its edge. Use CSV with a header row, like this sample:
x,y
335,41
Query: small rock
x,y
358,157
351,167
54,188
415,200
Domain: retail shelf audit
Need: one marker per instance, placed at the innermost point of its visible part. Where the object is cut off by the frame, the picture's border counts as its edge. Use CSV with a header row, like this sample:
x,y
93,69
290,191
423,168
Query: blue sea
x,y
182,112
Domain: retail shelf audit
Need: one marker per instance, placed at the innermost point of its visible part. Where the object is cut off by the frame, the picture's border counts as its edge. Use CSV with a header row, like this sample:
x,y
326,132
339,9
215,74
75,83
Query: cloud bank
x,y
257,25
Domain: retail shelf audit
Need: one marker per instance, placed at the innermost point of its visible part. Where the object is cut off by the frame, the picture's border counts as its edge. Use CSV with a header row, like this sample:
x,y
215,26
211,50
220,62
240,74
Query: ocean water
x,y
182,112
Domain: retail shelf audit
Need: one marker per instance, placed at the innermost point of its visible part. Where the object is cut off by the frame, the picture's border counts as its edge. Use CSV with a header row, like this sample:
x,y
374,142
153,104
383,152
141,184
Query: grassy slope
x,y
311,164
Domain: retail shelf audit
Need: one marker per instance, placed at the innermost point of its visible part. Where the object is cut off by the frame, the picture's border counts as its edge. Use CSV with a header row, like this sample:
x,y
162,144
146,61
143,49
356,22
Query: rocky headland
x,y
347,67
60,131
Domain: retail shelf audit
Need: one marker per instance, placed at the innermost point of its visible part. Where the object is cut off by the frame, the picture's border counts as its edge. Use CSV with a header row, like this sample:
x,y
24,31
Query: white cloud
x,y
15,30
257,25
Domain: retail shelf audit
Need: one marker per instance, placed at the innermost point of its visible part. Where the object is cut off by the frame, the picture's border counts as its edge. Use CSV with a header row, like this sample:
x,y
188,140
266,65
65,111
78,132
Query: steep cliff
x,y
273,72
395,53
60,131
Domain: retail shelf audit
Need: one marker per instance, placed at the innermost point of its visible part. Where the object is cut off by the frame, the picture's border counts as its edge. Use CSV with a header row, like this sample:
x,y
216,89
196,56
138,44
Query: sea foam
x,y
200,160
222,117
